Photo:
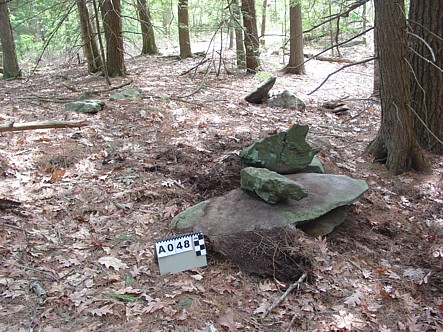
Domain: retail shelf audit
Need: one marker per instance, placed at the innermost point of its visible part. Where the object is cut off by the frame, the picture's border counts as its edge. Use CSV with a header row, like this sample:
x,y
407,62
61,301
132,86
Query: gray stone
x,y
270,186
316,166
324,224
261,92
239,211
126,94
261,238
285,153
286,99
187,218
91,106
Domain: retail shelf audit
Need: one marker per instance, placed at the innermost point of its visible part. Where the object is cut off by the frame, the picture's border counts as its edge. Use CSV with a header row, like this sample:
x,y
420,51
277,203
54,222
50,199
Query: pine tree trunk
x,y
239,46
183,30
426,22
149,45
251,36
90,47
112,24
264,8
395,143
10,63
376,86
296,57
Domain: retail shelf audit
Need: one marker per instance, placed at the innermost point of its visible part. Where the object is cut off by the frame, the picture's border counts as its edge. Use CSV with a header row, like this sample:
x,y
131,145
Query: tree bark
x,y
296,57
376,86
264,8
251,36
112,24
239,45
90,47
183,30
395,143
426,44
10,63
144,15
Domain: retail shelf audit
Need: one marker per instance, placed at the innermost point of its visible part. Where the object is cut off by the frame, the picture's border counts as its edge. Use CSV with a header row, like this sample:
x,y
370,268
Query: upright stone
x,y
285,153
261,92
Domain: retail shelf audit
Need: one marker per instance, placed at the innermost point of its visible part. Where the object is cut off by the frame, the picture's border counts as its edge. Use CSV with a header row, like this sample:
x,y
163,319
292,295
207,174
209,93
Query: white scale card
x,y
180,253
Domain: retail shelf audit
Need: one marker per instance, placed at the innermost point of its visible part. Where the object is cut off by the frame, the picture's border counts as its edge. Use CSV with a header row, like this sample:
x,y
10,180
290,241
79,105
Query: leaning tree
x,y
90,47
395,143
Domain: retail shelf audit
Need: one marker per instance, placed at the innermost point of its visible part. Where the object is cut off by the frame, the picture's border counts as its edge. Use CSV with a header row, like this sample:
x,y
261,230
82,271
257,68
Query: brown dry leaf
x,y
227,320
355,299
110,261
105,310
58,173
170,211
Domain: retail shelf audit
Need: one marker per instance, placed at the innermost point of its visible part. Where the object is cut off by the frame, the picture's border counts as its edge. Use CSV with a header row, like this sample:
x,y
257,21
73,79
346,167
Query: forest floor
x,y
78,253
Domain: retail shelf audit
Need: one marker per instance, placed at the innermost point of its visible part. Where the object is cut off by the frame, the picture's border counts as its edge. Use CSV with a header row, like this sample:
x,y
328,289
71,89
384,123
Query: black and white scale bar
x,y
180,253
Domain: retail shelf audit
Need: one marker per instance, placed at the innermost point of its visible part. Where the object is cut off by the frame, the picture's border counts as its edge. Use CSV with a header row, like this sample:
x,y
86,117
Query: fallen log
x,y
40,125
329,59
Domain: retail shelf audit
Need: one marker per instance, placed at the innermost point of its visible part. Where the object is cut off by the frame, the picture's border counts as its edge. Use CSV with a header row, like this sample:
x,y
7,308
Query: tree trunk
x,y
239,46
112,24
167,20
427,83
149,45
376,86
264,7
395,143
296,58
10,63
90,47
183,30
251,36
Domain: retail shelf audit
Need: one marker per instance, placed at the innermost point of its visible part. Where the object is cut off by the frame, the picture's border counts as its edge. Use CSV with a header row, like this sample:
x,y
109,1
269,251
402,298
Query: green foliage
x,y
53,24
264,75
40,22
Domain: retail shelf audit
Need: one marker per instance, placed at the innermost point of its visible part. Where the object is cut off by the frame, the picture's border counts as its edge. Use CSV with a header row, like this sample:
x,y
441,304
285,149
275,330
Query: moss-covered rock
x,y
285,153
91,106
270,186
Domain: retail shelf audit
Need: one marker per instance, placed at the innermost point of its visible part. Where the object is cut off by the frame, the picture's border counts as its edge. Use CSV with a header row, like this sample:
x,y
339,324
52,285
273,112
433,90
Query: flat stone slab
x,y
91,106
324,224
270,186
285,152
239,211
126,94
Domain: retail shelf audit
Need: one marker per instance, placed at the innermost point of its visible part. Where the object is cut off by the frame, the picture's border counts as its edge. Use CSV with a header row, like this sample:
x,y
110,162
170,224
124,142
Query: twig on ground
x,y
285,294
203,61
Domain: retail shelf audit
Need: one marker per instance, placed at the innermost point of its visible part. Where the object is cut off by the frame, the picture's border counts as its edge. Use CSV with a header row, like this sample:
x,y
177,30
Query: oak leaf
x,y
110,261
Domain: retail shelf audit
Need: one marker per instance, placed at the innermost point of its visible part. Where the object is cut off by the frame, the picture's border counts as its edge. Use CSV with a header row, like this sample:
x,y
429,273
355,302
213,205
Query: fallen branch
x,y
329,59
95,92
40,125
285,294
338,70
